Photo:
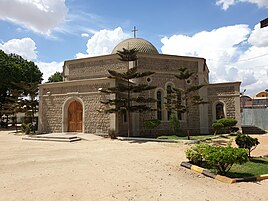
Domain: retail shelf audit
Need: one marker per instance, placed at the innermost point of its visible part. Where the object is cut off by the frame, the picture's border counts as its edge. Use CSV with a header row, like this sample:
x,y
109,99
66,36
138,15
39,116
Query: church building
x,y
73,105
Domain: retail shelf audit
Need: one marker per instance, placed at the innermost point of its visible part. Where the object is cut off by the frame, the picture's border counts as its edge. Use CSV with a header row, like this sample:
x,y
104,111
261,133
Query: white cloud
x,y
24,47
49,69
85,35
38,15
103,42
227,58
259,36
227,3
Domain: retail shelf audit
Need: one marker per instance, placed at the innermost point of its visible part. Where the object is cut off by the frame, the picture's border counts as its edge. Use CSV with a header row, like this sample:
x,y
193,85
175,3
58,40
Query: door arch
x,y
75,117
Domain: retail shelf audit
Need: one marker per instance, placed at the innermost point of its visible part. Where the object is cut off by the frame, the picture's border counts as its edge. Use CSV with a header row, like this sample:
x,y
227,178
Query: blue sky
x,y
225,32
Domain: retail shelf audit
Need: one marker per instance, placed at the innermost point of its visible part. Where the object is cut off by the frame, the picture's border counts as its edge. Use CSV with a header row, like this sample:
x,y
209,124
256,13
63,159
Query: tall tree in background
x,y
128,99
56,77
13,106
14,69
30,103
182,100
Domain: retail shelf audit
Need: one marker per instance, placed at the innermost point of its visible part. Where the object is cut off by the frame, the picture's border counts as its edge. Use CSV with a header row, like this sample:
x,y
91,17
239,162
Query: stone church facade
x,y
73,105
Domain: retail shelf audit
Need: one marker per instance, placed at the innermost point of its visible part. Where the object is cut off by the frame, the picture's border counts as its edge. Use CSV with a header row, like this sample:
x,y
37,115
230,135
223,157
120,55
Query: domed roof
x,y
138,43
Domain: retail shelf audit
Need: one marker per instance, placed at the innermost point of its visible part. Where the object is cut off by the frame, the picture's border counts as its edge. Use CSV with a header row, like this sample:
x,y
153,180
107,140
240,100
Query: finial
x,y
134,31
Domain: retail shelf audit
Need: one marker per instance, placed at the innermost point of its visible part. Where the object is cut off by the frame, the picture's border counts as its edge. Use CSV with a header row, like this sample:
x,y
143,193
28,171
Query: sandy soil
x,y
104,169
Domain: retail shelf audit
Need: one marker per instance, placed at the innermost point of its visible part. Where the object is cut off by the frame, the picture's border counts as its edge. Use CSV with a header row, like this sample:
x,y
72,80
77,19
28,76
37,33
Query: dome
x,y
138,43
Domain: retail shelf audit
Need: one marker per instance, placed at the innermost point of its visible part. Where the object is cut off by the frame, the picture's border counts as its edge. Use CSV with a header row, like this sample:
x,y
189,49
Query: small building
x,y
72,105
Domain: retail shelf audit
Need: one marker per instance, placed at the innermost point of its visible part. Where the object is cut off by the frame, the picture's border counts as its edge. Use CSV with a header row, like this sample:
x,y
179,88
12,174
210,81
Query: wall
x,y
54,100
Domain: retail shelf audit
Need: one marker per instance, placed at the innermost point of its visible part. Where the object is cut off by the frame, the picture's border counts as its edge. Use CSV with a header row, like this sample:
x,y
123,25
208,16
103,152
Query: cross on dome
x,y
134,31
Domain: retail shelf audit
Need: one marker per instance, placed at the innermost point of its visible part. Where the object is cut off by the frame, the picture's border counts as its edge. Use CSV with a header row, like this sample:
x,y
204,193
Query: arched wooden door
x,y
75,117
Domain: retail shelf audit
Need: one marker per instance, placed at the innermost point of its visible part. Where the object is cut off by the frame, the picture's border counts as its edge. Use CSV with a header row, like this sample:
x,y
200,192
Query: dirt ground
x,y
104,169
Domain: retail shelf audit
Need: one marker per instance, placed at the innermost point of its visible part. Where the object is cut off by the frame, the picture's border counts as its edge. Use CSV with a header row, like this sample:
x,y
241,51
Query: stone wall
x,y
56,97
229,95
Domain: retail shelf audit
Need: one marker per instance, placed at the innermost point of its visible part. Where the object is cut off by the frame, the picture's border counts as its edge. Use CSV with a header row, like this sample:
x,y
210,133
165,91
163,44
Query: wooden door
x,y
75,117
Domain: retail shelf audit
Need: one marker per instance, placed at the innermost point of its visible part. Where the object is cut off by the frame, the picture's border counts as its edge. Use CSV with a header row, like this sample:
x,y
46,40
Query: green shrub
x,y
195,153
246,142
219,158
222,158
26,127
151,123
217,126
174,123
227,123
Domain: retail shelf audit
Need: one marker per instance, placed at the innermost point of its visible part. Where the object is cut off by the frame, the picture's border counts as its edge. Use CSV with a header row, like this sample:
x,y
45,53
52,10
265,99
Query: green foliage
x,y
127,54
56,77
14,69
195,153
225,123
26,128
151,123
254,167
246,142
217,126
228,122
174,123
128,95
220,158
184,99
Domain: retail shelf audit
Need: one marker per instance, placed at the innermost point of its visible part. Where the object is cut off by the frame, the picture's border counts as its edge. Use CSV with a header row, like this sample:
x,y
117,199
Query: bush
x,y
227,123
152,123
195,154
26,127
246,142
217,126
220,158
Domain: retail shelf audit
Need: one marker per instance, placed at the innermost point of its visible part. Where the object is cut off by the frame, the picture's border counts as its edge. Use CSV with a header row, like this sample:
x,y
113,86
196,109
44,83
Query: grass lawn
x,y
195,137
254,167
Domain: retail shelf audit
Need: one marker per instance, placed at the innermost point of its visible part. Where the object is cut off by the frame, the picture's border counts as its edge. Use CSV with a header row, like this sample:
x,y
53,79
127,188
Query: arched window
x,y
219,111
179,103
169,91
159,105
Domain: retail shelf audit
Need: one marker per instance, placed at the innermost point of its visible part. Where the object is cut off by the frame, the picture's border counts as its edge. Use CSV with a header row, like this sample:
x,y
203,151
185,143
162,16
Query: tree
x,y
228,123
217,126
183,99
12,106
56,77
14,69
128,98
246,142
30,103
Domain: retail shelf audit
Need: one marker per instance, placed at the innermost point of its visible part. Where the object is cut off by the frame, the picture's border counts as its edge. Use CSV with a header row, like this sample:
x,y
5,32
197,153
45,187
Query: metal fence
x,y
255,117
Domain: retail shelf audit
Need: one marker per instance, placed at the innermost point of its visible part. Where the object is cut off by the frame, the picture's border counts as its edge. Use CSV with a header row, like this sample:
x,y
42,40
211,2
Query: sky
x,y
226,33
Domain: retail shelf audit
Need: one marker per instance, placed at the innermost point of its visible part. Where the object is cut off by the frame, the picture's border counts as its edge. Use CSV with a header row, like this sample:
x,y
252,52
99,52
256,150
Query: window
x,y
219,111
125,117
169,91
179,103
159,105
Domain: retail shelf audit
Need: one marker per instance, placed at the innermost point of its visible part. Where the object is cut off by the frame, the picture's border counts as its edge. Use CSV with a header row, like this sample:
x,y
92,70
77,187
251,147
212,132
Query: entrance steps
x,y
248,129
50,137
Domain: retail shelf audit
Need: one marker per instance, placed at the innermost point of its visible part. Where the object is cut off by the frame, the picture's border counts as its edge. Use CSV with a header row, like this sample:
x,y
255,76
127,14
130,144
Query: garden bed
x,y
254,170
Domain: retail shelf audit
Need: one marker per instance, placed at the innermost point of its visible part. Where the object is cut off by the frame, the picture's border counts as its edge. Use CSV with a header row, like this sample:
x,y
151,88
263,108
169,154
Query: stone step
x,y
53,138
252,130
